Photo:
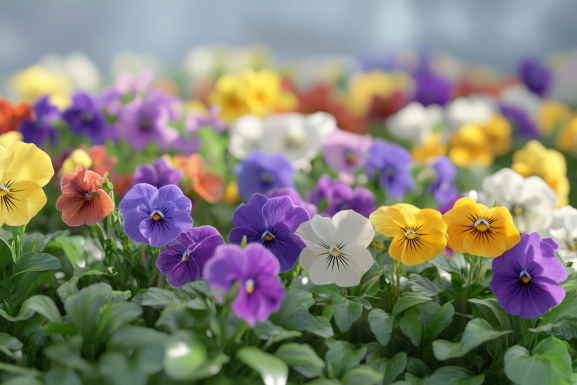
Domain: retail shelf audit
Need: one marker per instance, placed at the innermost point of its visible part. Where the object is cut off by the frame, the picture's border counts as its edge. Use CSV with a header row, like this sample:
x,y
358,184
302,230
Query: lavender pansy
x,y
443,186
260,172
155,217
260,291
522,123
272,223
536,76
320,191
341,196
432,89
526,277
195,121
346,152
83,117
294,196
184,258
159,174
40,129
393,162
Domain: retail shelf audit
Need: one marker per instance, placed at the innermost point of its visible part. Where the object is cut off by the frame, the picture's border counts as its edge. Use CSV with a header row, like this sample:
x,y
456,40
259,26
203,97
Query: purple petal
x,y
145,173
182,273
287,248
168,259
131,223
226,266
168,228
237,233
141,194
250,214
282,210
260,260
205,249
172,193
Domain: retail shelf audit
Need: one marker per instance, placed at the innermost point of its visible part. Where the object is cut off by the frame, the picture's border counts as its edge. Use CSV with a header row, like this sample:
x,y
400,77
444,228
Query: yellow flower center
x,y
249,285
335,252
517,210
525,278
410,234
351,158
156,217
482,224
573,246
268,237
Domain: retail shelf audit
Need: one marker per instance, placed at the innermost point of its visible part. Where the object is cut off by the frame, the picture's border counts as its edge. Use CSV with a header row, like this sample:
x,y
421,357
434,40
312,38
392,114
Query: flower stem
x,y
399,272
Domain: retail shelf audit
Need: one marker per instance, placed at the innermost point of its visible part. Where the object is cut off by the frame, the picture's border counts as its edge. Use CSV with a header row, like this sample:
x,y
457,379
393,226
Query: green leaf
x,y
84,308
493,312
243,242
549,364
476,332
566,328
440,320
566,308
408,300
362,375
184,356
326,330
381,325
346,312
293,313
97,195
69,288
19,370
45,306
455,375
301,358
74,248
109,185
67,353
494,204
424,286
145,345
33,261
116,369
272,370
23,314
22,381
114,316
9,343
412,326
156,297
368,281
390,368
62,376
342,357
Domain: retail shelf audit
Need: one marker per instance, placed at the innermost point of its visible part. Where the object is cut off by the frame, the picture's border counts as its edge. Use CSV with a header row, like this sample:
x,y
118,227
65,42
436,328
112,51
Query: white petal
x,y
353,228
308,235
310,255
324,229
360,255
321,273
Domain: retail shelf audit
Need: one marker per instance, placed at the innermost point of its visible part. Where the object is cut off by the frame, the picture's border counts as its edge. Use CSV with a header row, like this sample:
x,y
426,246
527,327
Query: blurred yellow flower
x,y
364,87
549,165
498,133
230,93
231,194
35,81
552,114
9,138
434,146
470,147
567,139
78,156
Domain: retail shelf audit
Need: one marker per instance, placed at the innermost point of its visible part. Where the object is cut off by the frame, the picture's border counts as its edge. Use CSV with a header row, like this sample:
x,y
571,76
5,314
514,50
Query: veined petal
x,y
14,210
308,235
324,229
411,252
430,219
32,192
351,227
309,256
437,239
486,244
25,161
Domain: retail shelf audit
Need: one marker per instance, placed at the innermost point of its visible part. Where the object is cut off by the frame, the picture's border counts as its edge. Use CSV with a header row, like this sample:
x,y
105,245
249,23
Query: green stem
x,y
398,280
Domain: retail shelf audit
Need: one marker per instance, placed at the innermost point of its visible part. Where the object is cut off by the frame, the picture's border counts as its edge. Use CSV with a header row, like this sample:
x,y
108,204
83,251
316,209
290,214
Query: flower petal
x,y
282,210
25,161
205,249
182,273
351,227
131,223
141,194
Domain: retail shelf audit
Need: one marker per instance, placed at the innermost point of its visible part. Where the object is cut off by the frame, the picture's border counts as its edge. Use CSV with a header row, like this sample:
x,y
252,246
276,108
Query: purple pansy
x,y
126,87
260,172
341,196
184,258
272,223
536,76
316,195
393,162
520,121
195,121
295,197
432,89
155,216
260,291
40,129
443,186
526,277
346,152
83,117
159,174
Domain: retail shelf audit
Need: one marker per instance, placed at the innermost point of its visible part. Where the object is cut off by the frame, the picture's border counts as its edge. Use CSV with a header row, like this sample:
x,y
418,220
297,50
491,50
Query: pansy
x,y
12,116
415,122
78,156
24,170
393,162
158,174
418,235
521,122
184,258
432,89
260,172
295,197
536,76
475,109
346,152
341,196
84,117
39,129
260,291
207,184
478,230
531,201
155,217
336,249
207,118
443,185
563,230
36,82
126,87
435,145
470,147
319,192
521,99
271,222
526,278
82,200
230,94
554,115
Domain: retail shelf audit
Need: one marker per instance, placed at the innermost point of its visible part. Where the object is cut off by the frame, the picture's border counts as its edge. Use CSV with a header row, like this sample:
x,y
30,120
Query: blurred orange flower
x,y
12,116
208,185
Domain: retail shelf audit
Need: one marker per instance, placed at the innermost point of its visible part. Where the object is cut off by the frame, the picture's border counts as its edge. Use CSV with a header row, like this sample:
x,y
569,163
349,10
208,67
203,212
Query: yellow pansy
x,y
433,147
478,230
552,114
263,89
470,147
230,93
36,81
549,165
24,170
498,133
567,139
231,194
418,235
364,87
9,138
78,156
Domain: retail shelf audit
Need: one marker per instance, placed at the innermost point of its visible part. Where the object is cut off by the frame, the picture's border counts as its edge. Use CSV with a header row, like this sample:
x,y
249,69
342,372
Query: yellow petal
x,y
13,209
32,193
25,161
410,253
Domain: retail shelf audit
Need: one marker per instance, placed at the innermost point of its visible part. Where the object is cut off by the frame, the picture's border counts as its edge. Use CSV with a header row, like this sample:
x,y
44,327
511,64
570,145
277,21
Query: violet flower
x,y
260,172
393,162
84,118
40,129
432,89
295,197
195,121
184,258
341,197
158,174
272,223
536,76
443,186
260,292
521,122
155,217
526,277
126,86
346,152
320,191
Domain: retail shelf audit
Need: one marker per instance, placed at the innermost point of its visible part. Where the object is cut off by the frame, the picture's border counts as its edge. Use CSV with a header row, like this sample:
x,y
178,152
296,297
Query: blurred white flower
x,y
531,201
415,122
82,73
476,109
519,96
298,137
336,249
563,230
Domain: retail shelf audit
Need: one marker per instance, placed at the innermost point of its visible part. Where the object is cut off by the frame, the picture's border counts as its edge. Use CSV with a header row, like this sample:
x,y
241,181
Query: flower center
x,y
86,117
266,177
410,234
156,215
524,276
335,252
482,225
249,285
88,196
267,236
350,157
518,210
389,172
573,246
145,125
4,190
186,255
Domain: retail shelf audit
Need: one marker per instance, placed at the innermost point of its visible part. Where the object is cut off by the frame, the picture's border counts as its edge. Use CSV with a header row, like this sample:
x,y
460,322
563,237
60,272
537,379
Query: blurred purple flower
x,y
443,186
153,216
84,118
40,128
341,196
526,277
295,197
432,89
260,172
159,174
272,223
195,121
126,87
521,122
393,162
346,152
260,291
449,205
320,191
536,76
184,258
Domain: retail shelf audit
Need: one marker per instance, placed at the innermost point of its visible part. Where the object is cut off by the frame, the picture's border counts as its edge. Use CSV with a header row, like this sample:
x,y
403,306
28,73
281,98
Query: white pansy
x,y
336,249
531,201
519,96
477,109
296,136
563,230
414,122
82,73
